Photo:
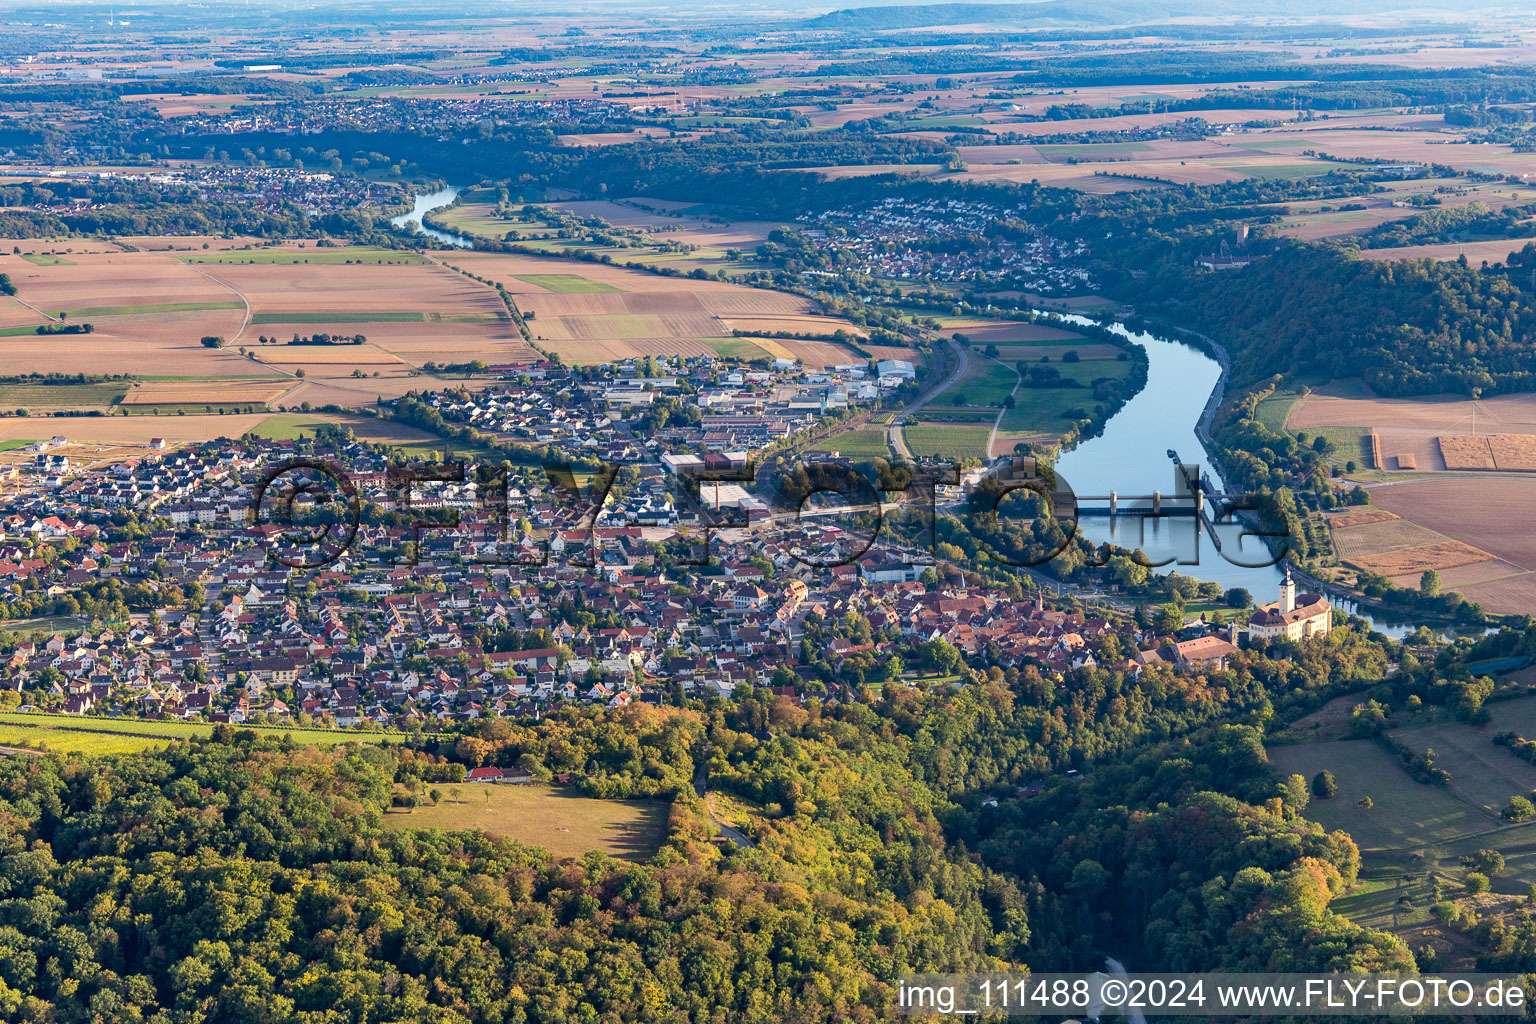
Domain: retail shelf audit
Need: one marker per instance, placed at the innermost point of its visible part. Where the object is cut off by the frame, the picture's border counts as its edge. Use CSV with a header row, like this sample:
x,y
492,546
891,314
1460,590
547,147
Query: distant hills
x,y
1087,12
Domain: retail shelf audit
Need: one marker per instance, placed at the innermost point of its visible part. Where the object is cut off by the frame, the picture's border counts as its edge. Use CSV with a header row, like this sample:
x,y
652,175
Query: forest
x,y
242,878
1416,327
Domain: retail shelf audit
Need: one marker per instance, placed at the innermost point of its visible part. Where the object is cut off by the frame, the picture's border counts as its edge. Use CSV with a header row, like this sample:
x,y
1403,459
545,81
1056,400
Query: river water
x,y
1131,457
424,204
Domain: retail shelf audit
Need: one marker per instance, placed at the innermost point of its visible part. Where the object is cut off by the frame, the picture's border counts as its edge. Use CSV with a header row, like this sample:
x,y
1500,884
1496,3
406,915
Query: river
x,y
1131,457
424,204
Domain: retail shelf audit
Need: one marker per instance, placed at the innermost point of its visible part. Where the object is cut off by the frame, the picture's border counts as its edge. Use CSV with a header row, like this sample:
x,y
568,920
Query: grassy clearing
x,y
291,426
52,728
560,820
158,307
481,219
16,332
1481,773
984,383
47,260
1404,815
289,257
1274,410
566,284
737,348
1350,444
1046,410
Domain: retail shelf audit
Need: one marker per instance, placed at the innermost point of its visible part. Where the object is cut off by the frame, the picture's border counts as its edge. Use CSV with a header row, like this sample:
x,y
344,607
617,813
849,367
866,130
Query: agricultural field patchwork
x,y
592,313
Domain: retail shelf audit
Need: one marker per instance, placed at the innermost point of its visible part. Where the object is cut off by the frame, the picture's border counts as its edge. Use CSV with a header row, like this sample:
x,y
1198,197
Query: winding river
x,y
1131,457
426,203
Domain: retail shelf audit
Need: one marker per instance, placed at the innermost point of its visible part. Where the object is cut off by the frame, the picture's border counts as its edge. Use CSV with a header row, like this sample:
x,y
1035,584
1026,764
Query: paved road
x,y
894,436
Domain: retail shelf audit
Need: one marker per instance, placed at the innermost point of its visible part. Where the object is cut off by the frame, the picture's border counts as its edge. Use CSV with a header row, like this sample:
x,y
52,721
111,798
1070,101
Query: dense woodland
x,y
239,879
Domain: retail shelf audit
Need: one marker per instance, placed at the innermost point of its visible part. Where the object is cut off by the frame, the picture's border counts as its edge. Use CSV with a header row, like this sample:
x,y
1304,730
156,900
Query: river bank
x,y
424,204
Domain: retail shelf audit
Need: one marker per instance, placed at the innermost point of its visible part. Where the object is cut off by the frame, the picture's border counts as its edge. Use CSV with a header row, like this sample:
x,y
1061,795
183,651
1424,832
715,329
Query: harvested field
x,y
199,244
108,281
1437,415
1402,146
879,351
1511,595
1515,452
1492,513
336,386
1381,535
103,353
605,350
14,314
804,324
235,392
1496,251
59,245
1428,434
1006,332
332,288
1364,517
1127,122
325,355
1177,172
1462,576
1408,561
545,307
620,313
491,341
1464,451
179,327
131,430
819,354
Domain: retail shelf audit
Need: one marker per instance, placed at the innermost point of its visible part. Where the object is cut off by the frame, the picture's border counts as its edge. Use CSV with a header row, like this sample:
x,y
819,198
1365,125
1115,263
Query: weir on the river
x,y
1131,456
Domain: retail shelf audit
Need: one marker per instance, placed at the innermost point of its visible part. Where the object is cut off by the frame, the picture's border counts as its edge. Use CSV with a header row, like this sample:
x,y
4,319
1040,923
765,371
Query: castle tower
x,y
1287,592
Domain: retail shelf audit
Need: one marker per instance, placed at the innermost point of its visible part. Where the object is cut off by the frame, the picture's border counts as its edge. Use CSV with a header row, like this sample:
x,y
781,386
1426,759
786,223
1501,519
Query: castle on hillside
x,y
1293,617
